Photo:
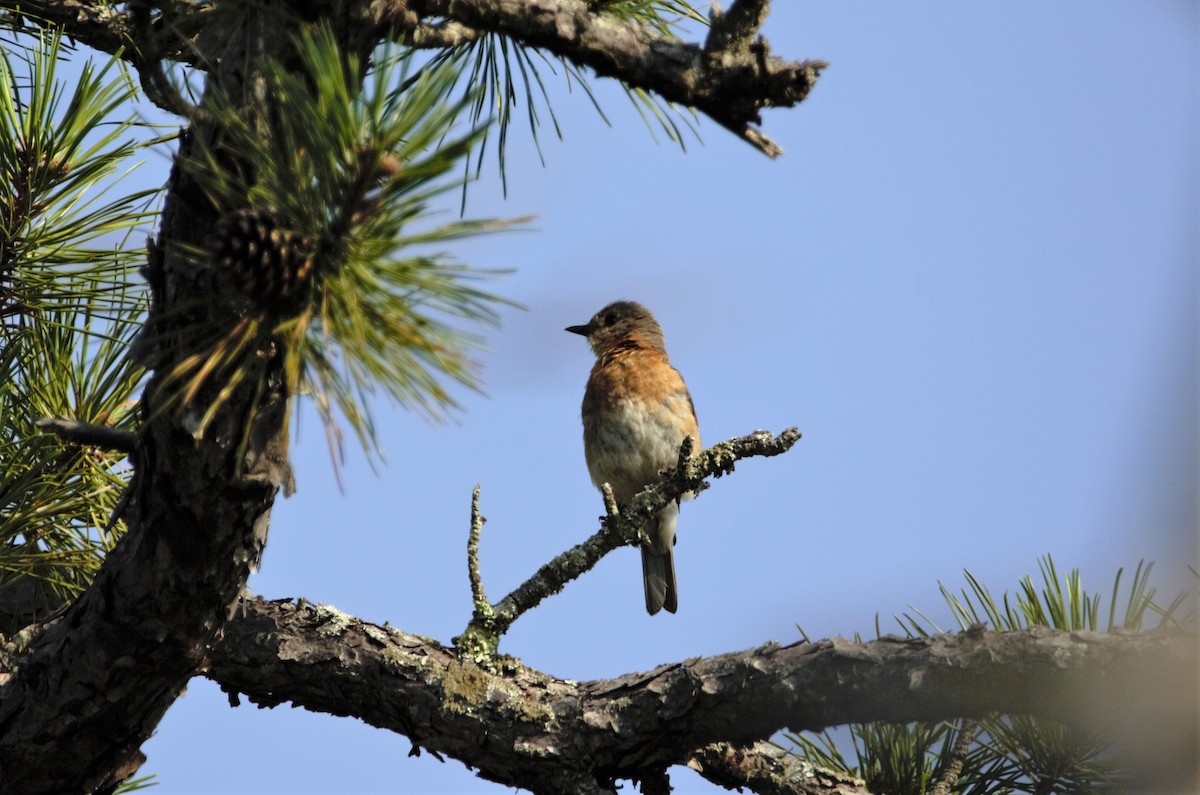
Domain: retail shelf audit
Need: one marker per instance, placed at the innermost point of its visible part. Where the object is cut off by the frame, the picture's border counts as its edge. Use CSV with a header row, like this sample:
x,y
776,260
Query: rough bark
x,y
525,729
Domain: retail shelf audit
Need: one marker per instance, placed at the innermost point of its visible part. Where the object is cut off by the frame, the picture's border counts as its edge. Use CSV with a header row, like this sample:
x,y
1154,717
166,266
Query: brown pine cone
x,y
271,264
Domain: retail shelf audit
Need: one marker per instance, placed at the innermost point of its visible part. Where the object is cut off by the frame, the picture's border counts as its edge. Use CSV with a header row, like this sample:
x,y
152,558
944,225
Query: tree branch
x,y
523,728
148,56
103,436
768,770
482,635
731,78
958,756
726,79
440,35
98,25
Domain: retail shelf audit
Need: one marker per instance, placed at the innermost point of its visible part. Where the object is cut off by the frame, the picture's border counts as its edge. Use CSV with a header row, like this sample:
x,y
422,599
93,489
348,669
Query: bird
x,y
636,413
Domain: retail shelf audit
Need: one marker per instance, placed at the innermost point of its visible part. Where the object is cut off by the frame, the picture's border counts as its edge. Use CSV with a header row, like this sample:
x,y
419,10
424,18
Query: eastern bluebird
x,y
636,414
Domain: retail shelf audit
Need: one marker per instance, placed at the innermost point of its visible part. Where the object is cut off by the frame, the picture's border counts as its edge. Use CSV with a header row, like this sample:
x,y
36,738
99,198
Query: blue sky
x,y
970,282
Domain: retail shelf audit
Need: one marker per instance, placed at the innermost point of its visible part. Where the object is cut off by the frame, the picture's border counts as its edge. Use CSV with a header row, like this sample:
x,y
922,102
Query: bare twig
x,y
102,436
477,593
148,61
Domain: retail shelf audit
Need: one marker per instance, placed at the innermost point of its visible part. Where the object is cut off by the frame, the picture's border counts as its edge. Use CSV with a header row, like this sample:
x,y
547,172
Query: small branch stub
x,y
102,436
610,502
480,640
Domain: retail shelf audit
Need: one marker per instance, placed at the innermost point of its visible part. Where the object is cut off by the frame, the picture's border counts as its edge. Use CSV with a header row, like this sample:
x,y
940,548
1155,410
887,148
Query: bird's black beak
x,y
580,330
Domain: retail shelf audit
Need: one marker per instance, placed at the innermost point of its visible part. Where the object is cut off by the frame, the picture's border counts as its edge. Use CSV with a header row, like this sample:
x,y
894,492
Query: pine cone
x,y
271,264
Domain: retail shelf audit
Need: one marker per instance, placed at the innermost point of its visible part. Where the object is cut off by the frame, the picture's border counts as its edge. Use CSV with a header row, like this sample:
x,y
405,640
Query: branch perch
x,y
618,528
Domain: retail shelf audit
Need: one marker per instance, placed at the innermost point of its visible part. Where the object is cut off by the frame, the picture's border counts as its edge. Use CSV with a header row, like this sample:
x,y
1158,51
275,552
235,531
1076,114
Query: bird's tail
x,y
658,575
658,563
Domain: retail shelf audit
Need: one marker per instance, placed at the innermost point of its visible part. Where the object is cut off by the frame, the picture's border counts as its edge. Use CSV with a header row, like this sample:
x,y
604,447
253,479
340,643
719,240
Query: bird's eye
x,y
607,318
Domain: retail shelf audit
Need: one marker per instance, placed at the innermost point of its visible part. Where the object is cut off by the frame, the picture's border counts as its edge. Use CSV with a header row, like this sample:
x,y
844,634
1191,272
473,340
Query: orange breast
x,y
636,413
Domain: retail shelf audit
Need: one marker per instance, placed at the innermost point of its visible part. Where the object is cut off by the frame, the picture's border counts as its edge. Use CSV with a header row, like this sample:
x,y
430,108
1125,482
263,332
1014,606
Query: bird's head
x,y
621,324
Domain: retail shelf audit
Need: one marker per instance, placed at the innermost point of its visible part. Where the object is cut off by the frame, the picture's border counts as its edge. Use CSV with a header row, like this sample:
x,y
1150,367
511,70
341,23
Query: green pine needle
x,y
387,312
56,499
499,74
67,310
62,235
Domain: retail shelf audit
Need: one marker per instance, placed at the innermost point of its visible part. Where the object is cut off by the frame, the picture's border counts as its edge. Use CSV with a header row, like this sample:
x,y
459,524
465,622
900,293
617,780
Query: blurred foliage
x,y
1007,753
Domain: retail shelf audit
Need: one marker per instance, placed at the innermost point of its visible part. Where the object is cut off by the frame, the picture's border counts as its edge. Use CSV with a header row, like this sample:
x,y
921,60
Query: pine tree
x,y
286,260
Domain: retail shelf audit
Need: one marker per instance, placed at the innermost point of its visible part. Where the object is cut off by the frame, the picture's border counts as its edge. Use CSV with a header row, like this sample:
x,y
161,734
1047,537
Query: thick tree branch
x,y
111,29
617,529
526,729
